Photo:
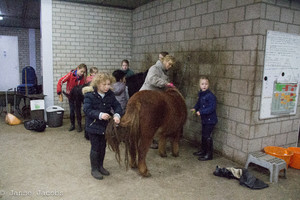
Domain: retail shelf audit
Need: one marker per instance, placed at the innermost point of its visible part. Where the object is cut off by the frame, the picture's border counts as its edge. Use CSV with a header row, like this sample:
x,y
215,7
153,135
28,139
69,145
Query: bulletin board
x,y
281,76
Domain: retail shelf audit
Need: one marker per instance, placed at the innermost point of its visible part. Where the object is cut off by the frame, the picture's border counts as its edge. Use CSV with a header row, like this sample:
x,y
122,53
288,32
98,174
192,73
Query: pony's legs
x,y
142,152
162,146
175,145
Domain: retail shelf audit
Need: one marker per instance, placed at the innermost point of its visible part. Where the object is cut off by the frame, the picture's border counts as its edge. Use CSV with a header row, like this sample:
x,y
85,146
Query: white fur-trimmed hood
x,y
87,89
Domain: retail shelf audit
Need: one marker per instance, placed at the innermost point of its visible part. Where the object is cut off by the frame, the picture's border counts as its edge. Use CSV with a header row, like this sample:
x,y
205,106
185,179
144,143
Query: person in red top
x,y
93,72
73,78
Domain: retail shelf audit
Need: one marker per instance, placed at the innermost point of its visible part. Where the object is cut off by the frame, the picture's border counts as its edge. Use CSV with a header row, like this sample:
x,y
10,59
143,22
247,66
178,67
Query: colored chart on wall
x,y
281,75
284,98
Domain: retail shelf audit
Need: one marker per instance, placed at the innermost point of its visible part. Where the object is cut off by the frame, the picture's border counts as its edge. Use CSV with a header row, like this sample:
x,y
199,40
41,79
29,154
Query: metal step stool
x,y
273,164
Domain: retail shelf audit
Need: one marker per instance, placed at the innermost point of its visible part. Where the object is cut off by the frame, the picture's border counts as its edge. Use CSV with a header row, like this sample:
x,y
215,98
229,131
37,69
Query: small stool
x,y
273,164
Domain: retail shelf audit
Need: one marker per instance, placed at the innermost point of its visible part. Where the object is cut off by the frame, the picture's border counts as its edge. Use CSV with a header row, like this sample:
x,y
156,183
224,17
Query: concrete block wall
x,y
225,41
23,45
94,35
280,16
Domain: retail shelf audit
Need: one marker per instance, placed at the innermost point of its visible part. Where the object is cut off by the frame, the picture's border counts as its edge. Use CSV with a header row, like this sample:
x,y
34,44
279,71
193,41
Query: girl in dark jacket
x,y
97,105
206,108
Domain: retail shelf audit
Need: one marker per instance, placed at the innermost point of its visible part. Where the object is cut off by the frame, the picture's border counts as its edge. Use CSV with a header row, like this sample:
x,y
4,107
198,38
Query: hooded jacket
x,y
120,93
206,105
94,104
157,78
72,80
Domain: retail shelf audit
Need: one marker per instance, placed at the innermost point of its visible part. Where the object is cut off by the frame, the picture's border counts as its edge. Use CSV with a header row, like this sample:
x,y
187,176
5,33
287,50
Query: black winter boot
x,y
102,170
94,156
79,128
72,119
203,147
72,127
209,152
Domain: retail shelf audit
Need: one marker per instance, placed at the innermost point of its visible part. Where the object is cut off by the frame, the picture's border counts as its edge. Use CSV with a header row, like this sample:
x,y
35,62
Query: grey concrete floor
x,y
55,165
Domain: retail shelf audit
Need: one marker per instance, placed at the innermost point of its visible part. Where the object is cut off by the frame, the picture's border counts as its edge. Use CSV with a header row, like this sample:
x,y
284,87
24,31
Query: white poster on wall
x,y
281,75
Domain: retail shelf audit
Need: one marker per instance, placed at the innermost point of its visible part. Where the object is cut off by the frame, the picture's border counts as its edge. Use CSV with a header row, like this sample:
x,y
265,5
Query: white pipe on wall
x,y
46,52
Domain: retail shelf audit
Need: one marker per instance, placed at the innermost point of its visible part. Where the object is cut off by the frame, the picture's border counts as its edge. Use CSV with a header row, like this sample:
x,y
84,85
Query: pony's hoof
x,y
163,155
146,174
133,166
175,154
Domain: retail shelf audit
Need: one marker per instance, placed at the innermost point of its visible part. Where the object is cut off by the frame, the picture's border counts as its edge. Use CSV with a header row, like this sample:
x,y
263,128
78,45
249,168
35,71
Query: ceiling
x,y
26,13
20,13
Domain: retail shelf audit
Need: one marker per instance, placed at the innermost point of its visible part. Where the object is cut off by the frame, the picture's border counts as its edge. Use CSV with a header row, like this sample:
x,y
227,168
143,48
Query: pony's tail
x,y
131,120
126,132
113,139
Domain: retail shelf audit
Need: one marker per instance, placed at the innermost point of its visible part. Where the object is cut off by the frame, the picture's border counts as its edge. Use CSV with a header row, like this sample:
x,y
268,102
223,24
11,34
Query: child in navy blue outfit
x,y
206,108
98,102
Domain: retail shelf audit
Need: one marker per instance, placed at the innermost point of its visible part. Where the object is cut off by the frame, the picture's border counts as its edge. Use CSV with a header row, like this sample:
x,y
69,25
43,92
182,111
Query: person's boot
x,y
94,157
79,128
102,170
72,119
72,127
209,152
202,152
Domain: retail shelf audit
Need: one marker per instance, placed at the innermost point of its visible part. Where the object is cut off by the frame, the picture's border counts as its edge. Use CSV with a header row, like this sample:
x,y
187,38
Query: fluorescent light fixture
x,y
1,18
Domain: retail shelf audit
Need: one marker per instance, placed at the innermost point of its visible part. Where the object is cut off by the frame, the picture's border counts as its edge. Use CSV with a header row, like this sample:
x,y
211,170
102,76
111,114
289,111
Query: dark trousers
x,y
207,131
98,142
75,107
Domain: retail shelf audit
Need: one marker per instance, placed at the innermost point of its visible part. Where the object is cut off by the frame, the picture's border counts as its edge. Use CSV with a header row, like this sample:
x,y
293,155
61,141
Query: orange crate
x,y
279,152
295,160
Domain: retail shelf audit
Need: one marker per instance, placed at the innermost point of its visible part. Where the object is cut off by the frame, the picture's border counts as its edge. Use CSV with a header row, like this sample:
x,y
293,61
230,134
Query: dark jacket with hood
x,y
206,105
94,104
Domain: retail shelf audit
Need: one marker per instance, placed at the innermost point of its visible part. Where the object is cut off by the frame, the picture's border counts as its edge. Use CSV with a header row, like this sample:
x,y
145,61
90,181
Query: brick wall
x,y
224,40
23,45
221,39
94,35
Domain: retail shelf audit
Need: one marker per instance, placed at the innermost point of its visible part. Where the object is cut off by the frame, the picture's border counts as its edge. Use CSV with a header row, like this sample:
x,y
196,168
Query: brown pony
x,y
148,113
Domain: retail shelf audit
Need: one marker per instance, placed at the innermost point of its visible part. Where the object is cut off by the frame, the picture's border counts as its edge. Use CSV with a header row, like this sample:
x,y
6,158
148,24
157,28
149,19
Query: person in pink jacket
x,y
93,72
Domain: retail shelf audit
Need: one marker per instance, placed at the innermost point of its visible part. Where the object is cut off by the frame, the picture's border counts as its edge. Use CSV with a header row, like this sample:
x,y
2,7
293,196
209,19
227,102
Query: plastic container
x,y
279,152
37,114
295,160
55,116
37,108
